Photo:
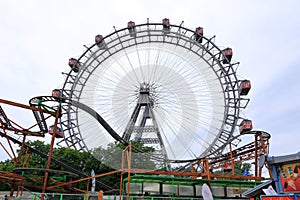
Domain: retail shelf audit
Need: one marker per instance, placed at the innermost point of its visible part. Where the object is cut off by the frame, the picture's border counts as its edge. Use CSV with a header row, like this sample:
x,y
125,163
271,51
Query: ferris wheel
x,y
164,85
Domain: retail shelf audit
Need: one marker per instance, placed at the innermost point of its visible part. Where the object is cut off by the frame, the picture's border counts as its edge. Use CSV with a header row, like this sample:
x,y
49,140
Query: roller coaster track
x,y
38,101
247,149
39,106
60,163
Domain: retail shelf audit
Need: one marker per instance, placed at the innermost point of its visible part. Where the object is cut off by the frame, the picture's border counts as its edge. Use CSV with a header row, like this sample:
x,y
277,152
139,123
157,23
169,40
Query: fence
x,y
58,196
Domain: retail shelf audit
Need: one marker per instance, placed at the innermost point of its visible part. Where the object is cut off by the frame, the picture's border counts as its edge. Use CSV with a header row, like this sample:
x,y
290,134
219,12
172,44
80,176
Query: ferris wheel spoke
x,y
180,141
140,64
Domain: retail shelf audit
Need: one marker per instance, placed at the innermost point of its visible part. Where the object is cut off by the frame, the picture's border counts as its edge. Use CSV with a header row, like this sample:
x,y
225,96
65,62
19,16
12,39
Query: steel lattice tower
x,y
142,126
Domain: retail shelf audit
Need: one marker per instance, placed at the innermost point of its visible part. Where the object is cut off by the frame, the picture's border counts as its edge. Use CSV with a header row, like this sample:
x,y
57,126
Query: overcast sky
x,y
38,37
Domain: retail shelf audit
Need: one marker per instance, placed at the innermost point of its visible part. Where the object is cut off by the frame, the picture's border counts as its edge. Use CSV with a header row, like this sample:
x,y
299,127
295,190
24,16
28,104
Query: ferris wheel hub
x,y
144,88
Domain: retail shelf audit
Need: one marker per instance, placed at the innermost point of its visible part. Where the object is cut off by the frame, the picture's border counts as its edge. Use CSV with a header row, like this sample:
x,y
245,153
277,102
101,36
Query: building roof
x,y
283,159
258,190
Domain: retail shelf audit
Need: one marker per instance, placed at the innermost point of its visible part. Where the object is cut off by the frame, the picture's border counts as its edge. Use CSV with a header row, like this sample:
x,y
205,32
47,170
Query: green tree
x,y
85,161
36,161
239,169
111,156
6,166
111,159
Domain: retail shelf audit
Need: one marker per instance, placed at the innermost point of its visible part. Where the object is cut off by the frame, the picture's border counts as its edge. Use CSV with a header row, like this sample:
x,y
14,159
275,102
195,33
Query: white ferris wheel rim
x,y
191,104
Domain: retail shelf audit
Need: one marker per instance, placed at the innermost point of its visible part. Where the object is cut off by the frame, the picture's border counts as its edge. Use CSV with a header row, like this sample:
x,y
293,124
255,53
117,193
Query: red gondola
x,y
131,28
245,126
245,86
74,64
100,41
227,55
227,167
98,38
166,25
59,131
57,93
199,34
